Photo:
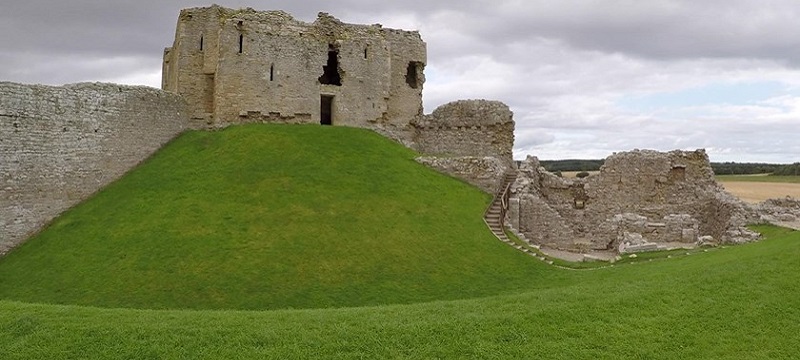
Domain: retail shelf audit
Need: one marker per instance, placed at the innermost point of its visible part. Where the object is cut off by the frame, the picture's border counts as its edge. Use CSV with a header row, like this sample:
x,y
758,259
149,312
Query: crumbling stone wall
x,y
58,145
638,197
783,211
468,139
467,128
238,66
484,172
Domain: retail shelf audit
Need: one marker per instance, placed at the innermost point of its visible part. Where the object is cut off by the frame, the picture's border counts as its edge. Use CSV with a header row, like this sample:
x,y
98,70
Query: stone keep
x,y
238,66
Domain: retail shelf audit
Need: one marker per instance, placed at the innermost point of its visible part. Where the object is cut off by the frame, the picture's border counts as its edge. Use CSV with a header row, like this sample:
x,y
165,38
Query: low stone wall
x,y
483,172
783,212
59,145
639,197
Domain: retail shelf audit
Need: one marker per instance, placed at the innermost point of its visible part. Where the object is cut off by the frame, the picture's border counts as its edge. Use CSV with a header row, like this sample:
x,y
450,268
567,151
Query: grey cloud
x,y
560,65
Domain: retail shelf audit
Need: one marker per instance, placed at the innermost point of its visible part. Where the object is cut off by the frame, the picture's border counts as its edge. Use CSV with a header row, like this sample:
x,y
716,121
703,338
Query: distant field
x,y
750,188
572,174
757,188
762,178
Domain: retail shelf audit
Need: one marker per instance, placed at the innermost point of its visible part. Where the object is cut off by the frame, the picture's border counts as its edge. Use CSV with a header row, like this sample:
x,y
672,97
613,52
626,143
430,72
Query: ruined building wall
x,y
266,66
467,128
468,139
638,197
58,145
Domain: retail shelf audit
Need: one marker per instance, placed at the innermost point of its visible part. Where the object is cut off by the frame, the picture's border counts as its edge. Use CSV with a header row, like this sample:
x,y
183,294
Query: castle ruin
x,y
59,145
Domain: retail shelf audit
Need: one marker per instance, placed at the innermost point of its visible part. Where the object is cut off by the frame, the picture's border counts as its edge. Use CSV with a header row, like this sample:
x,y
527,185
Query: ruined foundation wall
x,y
58,145
638,197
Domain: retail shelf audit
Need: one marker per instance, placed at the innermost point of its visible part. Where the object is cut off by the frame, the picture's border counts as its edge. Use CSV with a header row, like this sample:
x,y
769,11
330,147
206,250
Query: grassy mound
x,y
734,303
270,216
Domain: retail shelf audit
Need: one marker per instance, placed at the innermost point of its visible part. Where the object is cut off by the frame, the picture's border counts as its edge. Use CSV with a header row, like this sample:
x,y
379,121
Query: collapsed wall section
x,y
59,145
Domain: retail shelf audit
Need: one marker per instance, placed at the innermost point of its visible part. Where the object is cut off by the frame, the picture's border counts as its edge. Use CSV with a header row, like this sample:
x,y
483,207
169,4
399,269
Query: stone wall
x,y
469,139
238,66
59,145
639,197
783,212
467,128
484,172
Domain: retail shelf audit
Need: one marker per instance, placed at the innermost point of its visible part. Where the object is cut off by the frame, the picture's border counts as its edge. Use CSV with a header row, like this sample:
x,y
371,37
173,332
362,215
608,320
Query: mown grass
x,y
734,303
760,178
267,217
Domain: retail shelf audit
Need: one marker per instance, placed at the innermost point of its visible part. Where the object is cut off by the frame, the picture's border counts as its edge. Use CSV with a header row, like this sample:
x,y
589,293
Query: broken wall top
x,y
468,113
325,26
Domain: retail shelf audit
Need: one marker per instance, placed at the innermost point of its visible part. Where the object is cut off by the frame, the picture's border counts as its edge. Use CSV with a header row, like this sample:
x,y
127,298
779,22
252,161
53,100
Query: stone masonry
x,y
59,145
638,198
238,66
468,139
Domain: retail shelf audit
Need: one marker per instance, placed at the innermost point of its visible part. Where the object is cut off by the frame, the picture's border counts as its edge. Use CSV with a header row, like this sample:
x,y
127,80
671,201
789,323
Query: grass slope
x,y
270,216
734,303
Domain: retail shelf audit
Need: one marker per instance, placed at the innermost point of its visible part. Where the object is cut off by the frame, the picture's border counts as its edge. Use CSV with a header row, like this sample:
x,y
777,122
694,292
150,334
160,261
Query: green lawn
x,y
735,303
269,217
760,178
203,251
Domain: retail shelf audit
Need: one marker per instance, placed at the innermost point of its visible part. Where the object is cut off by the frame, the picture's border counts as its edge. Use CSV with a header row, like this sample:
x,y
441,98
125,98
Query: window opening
x,y
272,72
201,42
412,74
241,41
330,71
365,52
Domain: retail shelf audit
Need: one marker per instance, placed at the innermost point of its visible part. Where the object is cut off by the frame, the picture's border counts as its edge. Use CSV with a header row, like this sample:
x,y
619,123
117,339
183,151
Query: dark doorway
x,y
326,110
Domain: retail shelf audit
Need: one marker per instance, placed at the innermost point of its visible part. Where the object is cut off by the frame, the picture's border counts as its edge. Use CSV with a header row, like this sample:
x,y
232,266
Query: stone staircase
x,y
494,217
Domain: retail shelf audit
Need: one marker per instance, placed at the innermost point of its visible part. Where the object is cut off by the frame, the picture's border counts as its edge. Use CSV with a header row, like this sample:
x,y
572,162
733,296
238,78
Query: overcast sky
x,y
584,78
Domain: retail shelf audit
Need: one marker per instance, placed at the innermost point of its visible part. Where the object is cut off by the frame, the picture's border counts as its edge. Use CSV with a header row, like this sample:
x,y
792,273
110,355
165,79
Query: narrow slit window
x,y
241,42
201,42
365,52
272,72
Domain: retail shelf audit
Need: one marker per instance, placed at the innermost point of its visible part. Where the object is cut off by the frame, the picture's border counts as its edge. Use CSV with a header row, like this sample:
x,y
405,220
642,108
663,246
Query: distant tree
x,y
582,174
558,173
732,168
572,165
793,170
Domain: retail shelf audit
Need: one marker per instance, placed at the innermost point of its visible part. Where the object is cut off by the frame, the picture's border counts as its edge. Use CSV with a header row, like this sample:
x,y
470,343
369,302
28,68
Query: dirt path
x,y
754,192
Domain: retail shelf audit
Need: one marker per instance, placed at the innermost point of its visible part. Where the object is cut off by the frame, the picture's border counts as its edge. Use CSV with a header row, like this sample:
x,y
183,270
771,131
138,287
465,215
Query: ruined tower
x,y
238,66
